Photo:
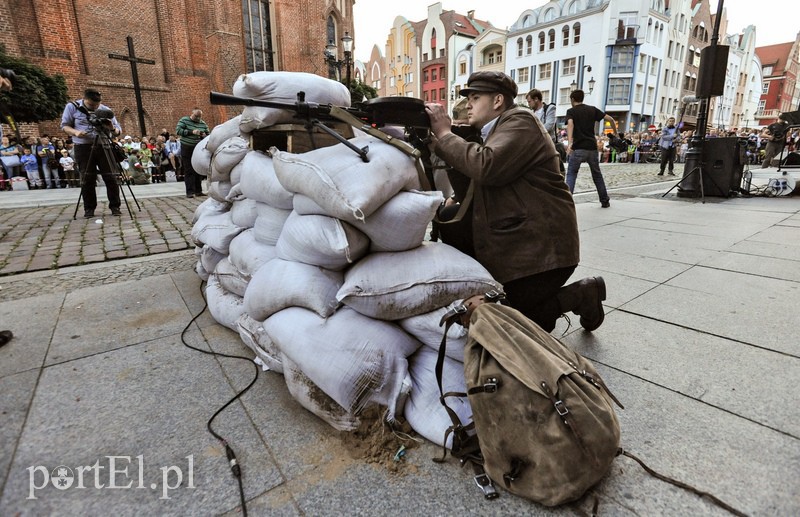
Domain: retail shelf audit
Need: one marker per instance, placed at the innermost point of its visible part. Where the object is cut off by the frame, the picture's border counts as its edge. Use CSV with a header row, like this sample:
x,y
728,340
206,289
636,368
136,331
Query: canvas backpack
x,y
543,424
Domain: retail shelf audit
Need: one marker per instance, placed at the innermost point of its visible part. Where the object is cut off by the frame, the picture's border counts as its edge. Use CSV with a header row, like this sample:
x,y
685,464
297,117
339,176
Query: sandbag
x,y
423,409
321,241
280,283
393,286
243,212
201,158
235,193
259,181
215,230
210,207
341,183
269,223
283,87
201,271
210,257
255,337
223,132
225,307
247,254
236,173
356,360
425,327
230,278
219,190
314,399
399,224
227,156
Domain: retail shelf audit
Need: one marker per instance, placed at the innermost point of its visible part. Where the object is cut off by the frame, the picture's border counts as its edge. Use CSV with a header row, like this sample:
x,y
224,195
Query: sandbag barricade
x,y
319,262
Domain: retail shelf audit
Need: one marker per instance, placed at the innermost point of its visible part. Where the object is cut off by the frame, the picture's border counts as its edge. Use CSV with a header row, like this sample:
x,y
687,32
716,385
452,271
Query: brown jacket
x,y
523,216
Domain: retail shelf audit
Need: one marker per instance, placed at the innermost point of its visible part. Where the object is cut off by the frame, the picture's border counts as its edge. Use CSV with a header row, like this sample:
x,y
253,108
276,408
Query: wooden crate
x,y
296,139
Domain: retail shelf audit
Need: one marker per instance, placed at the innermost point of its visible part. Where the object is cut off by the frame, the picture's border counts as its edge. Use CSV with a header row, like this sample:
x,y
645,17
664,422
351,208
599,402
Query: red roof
x,y
775,55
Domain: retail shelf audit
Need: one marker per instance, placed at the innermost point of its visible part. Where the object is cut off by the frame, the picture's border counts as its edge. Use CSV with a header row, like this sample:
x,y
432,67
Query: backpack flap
x,y
546,432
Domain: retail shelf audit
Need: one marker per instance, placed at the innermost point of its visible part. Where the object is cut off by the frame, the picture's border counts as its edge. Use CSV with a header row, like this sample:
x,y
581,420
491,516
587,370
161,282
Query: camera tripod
x,y
103,142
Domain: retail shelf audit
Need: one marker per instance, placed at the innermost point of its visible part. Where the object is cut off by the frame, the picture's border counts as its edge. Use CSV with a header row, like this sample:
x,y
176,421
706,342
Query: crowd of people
x,y
49,162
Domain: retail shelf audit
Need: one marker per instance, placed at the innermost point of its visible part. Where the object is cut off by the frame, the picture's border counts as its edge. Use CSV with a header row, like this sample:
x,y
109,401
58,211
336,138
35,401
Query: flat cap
x,y
490,82
92,94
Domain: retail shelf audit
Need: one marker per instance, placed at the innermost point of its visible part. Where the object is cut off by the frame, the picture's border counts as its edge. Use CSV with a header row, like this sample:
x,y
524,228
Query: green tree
x,y
360,91
36,96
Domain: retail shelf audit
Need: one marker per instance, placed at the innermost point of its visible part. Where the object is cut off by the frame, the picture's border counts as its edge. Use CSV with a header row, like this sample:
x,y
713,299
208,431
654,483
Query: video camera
x,y
617,143
101,119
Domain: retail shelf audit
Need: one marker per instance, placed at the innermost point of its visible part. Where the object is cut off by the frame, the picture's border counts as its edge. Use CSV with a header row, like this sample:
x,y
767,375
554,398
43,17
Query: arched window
x,y
526,22
551,39
565,35
576,33
433,42
331,30
549,14
529,45
573,8
519,47
541,42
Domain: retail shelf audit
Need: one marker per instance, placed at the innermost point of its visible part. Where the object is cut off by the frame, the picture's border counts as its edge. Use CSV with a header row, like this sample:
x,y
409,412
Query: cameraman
x,y
776,133
191,129
80,122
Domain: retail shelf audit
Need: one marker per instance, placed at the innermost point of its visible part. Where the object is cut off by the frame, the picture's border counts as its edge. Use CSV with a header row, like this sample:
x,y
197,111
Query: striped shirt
x,y
185,127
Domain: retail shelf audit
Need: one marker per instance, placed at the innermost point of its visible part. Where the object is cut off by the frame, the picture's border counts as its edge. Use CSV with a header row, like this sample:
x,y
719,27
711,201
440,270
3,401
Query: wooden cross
x,y
133,60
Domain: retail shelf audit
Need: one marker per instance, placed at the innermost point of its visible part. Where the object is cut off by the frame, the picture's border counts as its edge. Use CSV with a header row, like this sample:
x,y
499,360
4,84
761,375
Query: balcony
x,y
767,114
626,33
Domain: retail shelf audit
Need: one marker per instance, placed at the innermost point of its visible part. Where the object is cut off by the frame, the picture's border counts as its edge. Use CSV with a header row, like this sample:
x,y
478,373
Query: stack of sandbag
x,y
318,261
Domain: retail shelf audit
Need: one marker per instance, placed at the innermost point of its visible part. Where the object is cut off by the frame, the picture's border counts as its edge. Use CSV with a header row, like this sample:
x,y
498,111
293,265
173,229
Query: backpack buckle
x,y
452,313
487,487
490,386
494,295
561,408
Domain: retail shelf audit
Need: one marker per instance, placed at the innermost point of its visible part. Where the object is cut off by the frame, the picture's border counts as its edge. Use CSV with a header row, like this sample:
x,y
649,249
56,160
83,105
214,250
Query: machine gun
x,y
367,116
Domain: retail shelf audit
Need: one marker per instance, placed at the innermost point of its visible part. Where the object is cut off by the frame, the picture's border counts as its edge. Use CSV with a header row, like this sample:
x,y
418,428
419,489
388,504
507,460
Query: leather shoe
x,y
88,214
201,194
189,196
5,336
585,298
116,211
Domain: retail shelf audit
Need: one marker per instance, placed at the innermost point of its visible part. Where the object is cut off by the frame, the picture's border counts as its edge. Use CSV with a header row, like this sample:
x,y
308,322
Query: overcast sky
x,y
776,21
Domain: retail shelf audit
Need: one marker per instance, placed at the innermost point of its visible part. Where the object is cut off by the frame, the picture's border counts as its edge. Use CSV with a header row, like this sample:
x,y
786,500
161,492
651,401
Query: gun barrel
x,y
223,99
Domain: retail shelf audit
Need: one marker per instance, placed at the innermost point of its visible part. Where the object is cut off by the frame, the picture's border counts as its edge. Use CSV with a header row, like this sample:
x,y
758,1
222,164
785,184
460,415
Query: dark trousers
x,y
668,156
536,296
194,182
99,162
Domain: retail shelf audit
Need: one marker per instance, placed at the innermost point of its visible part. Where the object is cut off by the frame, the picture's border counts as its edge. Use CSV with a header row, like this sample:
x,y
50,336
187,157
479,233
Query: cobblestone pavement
x,y
46,237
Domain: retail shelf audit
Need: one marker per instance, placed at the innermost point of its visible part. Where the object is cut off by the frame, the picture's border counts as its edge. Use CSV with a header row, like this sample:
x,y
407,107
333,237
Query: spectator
x,y
191,129
582,147
669,137
9,156
31,165
68,164
173,150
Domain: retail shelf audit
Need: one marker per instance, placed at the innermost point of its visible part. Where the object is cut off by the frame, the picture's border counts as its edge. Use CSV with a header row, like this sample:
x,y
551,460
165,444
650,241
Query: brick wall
x,y
197,45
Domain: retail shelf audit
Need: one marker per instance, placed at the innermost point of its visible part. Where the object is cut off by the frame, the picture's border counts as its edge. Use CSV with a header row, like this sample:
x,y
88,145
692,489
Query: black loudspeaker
x,y
711,79
792,159
724,160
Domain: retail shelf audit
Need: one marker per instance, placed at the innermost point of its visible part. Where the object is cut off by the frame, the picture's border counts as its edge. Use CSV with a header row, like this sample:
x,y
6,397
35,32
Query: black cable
x,y
236,469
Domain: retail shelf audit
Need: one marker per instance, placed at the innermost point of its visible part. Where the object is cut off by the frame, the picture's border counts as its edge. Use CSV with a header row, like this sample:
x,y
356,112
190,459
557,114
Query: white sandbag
x,y
210,257
225,307
201,271
280,283
341,183
227,156
253,335
215,230
219,190
356,360
393,286
283,87
259,181
247,254
314,399
423,410
201,158
425,327
235,193
236,173
244,213
269,223
210,207
223,132
230,278
320,241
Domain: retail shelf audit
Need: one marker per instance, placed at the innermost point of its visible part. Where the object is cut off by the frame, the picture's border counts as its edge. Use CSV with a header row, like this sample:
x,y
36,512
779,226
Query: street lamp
x,y
330,57
573,86
591,84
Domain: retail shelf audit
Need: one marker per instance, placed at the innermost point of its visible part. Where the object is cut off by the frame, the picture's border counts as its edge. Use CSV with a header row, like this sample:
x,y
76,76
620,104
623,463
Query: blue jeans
x,y
576,158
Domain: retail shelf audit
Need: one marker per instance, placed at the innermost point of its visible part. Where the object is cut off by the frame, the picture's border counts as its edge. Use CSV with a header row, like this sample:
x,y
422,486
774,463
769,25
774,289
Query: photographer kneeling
x,y
86,120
